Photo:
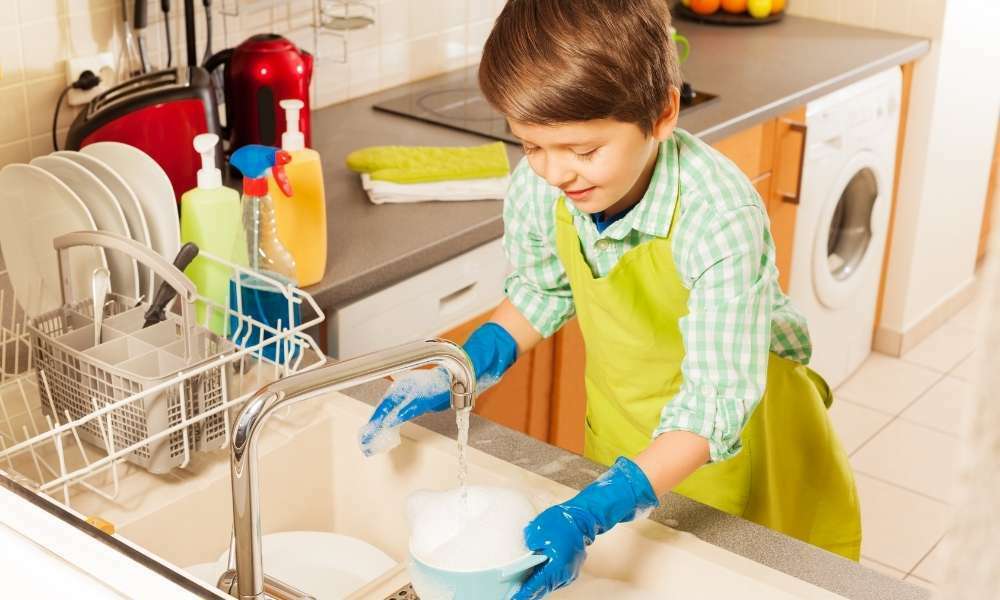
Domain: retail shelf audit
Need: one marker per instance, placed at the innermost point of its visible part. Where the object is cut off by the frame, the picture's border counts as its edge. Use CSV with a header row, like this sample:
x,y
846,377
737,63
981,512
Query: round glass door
x,y
851,226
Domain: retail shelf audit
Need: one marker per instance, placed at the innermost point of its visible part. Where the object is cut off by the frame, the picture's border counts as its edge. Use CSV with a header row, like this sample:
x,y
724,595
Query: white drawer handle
x,y
456,300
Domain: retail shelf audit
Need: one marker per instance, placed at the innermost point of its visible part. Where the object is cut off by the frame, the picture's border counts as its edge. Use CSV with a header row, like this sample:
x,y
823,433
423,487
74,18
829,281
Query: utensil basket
x,y
132,361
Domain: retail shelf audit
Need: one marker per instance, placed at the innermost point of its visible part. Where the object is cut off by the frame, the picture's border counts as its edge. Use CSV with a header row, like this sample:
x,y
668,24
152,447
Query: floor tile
x,y
967,368
883,569
910,456
899,526
888,384
931,568
943,349
854,423
942,407
968,317
921,582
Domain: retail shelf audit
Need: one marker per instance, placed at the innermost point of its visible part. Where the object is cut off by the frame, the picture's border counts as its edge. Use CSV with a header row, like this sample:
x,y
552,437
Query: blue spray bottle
x,y
255,297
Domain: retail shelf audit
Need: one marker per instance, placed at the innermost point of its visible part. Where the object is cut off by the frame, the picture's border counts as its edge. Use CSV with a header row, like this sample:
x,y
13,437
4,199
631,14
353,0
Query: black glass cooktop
x,y
456,102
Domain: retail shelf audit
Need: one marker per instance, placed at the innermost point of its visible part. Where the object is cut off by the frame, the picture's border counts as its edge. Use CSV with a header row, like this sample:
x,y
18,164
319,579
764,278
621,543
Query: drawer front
x,y
422,306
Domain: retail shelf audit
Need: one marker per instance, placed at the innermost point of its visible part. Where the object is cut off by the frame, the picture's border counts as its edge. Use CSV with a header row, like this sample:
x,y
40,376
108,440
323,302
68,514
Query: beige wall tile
x,y
17,152
394,17
825,10
476,36
799,7
427,56
35,10
454,13
90,33
427,18
394,63
926,17
860,13
456,47
10,56
42,96
13,117
892,15
480,10
40,145
44,48
363,69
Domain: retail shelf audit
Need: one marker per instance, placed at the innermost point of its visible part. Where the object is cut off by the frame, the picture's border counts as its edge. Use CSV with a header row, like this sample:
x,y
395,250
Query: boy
x,y
696,377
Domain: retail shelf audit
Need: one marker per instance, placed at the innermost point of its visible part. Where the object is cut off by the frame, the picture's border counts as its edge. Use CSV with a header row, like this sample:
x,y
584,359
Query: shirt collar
x,y
653,213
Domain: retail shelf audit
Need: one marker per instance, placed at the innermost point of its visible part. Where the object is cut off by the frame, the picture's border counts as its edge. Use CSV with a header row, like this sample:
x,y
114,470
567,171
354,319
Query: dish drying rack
x,y
74,409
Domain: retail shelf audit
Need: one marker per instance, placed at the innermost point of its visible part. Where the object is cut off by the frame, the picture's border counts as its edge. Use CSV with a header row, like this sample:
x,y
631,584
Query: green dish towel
x,y
424,164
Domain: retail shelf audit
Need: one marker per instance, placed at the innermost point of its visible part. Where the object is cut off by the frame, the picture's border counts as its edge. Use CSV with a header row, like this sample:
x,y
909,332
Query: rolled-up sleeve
x,y
727,329
537,286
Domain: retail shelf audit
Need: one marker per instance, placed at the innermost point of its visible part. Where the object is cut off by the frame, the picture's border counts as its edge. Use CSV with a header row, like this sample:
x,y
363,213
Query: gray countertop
x,y
782,553
757,72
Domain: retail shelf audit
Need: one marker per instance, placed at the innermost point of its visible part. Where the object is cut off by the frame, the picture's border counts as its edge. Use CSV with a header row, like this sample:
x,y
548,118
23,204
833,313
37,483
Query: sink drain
x,y
404,593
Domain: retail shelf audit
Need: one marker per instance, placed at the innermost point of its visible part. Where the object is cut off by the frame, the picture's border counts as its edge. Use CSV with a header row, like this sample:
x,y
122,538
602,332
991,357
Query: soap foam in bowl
x,y
471,547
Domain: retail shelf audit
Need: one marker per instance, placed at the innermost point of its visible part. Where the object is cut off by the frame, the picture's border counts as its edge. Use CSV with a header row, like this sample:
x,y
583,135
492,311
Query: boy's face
x,y
599,165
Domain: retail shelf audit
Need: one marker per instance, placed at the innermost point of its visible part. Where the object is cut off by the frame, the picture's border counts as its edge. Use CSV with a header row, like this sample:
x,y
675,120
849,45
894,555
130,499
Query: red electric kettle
x,y
259,73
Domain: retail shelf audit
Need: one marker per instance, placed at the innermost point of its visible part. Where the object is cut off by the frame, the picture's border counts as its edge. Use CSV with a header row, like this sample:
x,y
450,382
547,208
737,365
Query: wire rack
x,y
58,450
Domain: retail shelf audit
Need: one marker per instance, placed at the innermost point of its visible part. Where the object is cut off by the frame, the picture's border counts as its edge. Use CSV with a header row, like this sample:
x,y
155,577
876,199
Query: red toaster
x,y
159,113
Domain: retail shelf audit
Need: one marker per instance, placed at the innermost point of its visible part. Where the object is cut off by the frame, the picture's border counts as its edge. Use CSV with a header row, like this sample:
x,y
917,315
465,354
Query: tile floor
x,y
899,420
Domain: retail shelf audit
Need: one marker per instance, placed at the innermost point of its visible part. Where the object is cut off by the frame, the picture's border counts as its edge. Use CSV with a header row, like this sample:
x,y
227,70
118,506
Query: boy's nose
x,y
559,174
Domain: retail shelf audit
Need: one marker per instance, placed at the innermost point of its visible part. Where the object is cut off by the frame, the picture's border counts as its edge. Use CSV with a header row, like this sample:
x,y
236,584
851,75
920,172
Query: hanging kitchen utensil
x,y
129,62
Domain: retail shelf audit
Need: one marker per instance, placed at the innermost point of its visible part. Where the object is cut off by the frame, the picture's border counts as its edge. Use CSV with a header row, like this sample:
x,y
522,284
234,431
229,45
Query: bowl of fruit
x,y
731,12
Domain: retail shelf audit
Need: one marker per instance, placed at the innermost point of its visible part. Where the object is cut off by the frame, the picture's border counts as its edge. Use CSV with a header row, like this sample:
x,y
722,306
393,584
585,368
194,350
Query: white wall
x,y
952,122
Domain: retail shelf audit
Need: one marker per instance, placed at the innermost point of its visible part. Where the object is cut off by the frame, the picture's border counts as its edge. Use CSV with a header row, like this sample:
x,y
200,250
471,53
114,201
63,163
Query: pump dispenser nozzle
x,y
209,177
292,139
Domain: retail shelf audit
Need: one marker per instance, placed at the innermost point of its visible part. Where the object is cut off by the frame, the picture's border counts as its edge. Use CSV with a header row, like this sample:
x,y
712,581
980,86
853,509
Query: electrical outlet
x,y
102,64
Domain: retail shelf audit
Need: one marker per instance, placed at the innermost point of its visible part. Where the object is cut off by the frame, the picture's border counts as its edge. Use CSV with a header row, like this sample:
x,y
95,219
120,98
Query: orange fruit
x,y
734,6
777,6
705,7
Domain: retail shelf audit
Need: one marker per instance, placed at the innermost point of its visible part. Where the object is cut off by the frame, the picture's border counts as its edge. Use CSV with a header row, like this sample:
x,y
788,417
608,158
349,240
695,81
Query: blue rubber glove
x,y
563,531
492,351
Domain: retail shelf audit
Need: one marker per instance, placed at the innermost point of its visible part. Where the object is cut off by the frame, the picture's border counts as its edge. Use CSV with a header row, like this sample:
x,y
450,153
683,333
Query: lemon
x,y
759,9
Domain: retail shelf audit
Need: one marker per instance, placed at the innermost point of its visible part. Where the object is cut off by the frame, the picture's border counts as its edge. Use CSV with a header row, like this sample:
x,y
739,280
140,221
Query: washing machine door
x,y
850,231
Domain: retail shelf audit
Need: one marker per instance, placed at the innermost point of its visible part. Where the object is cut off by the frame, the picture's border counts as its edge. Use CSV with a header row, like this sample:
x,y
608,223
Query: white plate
x,y
327,566
151,186
36,209
126,199
107,213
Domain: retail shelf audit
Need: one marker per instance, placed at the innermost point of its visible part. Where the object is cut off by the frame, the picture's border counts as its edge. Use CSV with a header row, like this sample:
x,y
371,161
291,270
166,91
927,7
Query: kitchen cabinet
x,y
770,154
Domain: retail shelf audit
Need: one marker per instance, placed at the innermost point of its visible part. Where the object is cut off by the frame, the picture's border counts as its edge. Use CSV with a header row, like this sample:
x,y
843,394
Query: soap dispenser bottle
x,y
264,248
302,219
212,220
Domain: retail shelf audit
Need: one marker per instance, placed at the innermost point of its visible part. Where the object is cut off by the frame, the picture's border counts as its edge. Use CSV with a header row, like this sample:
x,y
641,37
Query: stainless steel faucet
x,y
302,386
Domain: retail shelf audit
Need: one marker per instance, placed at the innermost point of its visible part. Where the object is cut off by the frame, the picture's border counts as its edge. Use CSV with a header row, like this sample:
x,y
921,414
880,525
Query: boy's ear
x,y
664,126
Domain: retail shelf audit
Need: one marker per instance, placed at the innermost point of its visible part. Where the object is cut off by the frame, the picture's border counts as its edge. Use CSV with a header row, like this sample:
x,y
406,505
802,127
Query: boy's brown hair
x,y
557,61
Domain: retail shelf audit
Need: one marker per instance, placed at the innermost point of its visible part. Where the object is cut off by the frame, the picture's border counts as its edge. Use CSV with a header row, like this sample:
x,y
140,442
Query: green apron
x,y
792,474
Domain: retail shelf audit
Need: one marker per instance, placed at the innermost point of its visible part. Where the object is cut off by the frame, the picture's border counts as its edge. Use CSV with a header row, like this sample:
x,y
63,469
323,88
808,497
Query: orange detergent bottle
x,y
301,218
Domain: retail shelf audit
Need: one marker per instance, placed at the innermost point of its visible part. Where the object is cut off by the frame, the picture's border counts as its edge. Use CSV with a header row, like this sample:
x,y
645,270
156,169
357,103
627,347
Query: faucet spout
x,y
330,377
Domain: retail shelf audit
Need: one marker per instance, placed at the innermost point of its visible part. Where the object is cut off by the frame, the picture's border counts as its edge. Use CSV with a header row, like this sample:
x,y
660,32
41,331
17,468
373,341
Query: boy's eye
x,y
586,155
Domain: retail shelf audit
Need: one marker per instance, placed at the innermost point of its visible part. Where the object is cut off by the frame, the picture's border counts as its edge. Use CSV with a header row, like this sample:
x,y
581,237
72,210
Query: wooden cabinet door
x,y
786,184
569,396
751,149
517,401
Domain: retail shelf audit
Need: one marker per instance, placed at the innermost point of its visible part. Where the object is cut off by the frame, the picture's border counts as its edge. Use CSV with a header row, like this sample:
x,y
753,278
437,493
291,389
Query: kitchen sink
x,y
313,478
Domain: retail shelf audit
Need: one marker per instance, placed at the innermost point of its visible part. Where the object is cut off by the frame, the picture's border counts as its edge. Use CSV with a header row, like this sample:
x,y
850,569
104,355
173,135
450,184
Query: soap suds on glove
x,y
484,531
382,436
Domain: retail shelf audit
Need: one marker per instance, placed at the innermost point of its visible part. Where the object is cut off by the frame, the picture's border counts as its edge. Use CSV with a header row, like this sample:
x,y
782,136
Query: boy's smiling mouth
x,y
580,194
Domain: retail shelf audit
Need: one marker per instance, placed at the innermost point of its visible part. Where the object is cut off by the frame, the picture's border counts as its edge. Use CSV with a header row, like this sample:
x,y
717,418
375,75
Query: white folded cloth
x,y
382,192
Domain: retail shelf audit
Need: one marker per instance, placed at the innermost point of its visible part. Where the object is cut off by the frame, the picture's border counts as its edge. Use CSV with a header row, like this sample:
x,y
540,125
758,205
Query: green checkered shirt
x,y
724,252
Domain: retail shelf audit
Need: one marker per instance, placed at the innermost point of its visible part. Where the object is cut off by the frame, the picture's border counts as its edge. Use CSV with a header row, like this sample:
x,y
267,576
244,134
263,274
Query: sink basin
x,y
314,479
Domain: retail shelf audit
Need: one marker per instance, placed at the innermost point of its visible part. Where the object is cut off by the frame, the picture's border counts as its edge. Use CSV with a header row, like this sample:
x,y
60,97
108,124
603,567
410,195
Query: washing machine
x,y
843,219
